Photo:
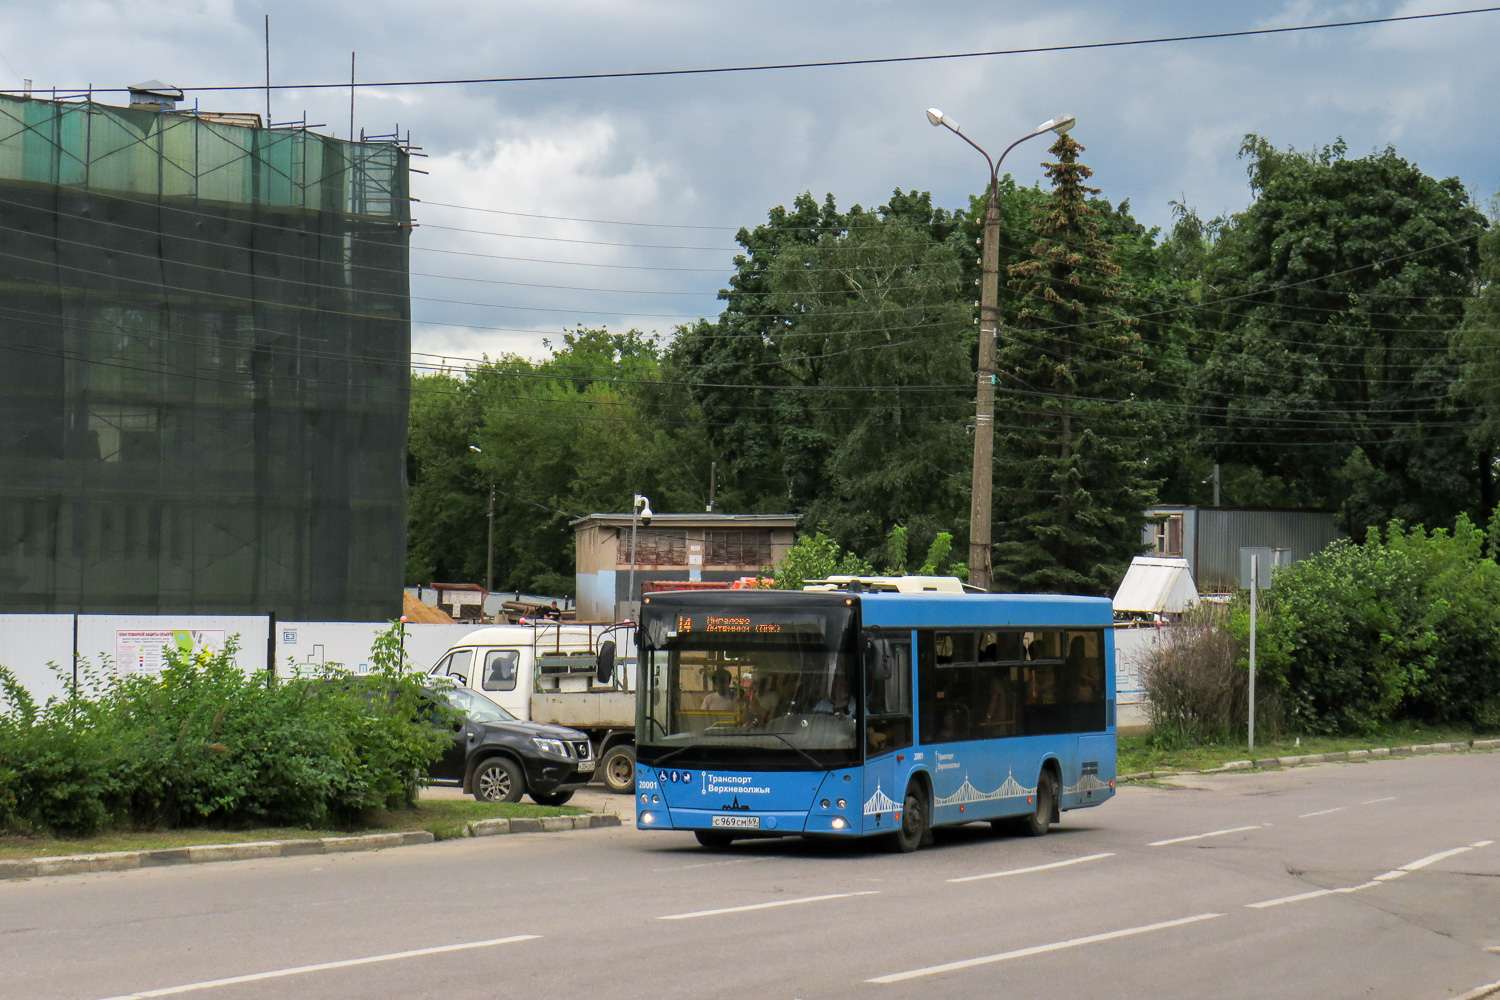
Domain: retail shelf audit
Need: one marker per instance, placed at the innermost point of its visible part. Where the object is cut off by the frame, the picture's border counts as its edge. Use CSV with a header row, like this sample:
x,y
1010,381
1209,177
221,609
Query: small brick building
x,y
687,547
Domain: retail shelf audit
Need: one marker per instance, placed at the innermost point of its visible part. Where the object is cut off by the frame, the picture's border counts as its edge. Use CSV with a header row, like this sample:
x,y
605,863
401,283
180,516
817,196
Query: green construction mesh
x,y
204,355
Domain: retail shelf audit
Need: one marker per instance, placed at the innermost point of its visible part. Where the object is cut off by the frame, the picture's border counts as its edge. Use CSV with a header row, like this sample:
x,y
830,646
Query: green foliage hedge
x,y
1403,626
204,744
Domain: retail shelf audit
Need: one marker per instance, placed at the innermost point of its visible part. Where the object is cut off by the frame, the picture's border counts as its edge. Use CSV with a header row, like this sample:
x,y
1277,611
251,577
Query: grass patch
x,y
444,818
1138,753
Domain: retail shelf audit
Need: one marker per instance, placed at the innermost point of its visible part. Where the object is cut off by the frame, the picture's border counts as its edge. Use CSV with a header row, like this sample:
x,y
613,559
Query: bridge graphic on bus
x,y
968,793
1087,783
880,803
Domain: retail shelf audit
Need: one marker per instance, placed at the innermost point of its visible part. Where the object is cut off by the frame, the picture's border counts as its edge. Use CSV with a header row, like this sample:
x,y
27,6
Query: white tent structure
x,y
1155,585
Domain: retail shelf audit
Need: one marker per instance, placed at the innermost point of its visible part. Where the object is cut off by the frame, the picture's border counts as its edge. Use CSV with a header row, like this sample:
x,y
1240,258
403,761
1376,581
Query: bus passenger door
x,y
888,729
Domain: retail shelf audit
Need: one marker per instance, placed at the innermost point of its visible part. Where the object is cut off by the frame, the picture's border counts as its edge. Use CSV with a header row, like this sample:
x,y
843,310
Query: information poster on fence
x,y
143,651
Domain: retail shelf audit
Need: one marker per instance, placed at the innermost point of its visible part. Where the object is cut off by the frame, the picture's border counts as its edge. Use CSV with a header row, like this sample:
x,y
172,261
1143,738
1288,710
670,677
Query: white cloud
x,y
1160,122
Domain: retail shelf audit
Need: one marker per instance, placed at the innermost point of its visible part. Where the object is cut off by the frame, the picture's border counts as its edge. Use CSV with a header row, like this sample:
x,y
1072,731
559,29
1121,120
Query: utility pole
x,y
989,325
1254,586
981,491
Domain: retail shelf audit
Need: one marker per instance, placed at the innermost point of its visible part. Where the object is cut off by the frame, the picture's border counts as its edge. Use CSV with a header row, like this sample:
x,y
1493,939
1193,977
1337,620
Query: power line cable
x,y
830,63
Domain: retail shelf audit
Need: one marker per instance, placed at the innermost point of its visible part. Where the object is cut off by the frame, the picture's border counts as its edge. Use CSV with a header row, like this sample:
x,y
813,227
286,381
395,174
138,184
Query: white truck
x,y
547,671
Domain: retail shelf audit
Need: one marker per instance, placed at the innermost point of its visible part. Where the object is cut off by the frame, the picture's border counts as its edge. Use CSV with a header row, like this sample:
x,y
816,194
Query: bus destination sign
x,y
724,623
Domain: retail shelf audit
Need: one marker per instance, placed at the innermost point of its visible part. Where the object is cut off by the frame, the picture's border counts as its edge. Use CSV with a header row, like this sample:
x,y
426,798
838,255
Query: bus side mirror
x,y
606,669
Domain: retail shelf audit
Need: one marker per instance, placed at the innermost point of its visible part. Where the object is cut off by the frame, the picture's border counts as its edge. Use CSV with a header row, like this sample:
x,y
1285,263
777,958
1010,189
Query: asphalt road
x,y
1376,879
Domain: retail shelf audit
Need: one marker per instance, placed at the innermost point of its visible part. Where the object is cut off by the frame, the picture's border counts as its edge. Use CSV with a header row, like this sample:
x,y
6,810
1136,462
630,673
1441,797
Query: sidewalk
x,y
594,798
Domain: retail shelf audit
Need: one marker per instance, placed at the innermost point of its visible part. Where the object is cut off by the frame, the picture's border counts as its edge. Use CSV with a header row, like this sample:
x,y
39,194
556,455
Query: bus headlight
x,y
839,823
843,804
647,818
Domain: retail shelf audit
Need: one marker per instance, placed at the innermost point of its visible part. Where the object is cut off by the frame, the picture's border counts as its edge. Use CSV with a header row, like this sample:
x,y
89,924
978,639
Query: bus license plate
x,y
738,822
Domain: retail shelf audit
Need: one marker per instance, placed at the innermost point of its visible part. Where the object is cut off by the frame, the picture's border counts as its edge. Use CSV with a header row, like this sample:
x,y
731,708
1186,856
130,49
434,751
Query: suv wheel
x,y
498,780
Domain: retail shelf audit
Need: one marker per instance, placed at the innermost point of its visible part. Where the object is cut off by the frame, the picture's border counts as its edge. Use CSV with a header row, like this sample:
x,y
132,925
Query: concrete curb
x,y
119,861
1265,763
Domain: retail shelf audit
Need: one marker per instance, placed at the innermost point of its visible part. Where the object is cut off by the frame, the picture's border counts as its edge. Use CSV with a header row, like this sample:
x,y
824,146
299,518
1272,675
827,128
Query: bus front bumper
x,y
750,822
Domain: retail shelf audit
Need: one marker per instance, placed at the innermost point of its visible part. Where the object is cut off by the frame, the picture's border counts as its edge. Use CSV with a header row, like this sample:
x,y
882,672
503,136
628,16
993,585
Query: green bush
x,y
1405,625
203,743
1196,678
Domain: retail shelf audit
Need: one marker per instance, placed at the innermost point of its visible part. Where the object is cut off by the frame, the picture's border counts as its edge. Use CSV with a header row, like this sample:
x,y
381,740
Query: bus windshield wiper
x,y
745,736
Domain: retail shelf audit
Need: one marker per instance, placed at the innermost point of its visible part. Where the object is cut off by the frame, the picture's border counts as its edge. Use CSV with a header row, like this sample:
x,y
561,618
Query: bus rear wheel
x,y
1040,820
913,831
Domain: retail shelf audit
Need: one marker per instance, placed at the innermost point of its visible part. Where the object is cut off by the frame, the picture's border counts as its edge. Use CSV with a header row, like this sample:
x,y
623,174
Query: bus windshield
x,y
760,686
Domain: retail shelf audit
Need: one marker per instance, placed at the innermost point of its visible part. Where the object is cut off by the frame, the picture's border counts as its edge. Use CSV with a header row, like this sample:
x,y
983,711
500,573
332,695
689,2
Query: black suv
x,y
499,758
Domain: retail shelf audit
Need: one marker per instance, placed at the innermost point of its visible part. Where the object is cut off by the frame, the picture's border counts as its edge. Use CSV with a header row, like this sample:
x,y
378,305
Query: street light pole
x,y
989,325
640,508
489,547
489,562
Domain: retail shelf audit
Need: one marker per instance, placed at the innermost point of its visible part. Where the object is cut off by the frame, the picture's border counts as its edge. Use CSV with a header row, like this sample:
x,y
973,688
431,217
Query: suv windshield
x,y
475,706
751,685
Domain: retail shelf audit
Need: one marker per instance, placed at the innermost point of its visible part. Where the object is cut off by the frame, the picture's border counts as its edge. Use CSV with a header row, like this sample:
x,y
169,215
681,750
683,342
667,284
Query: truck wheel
x,y
498,780
618,766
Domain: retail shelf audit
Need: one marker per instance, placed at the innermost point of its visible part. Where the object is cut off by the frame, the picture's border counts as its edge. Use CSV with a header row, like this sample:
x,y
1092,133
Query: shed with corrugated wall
x,y
1217,541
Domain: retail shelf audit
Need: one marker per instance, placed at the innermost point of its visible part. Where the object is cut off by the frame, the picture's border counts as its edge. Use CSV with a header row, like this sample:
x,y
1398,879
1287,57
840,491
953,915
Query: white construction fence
x,y
29,643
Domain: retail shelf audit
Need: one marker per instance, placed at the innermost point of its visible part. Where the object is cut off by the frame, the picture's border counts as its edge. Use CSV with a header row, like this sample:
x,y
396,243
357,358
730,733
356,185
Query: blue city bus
x,y
853,714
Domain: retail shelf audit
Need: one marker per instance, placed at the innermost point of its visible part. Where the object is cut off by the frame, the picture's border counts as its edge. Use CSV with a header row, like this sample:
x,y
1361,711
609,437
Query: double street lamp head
x,y
1060,124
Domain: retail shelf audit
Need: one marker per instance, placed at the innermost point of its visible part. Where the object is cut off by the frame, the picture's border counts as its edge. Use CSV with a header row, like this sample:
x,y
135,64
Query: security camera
x,y
646,516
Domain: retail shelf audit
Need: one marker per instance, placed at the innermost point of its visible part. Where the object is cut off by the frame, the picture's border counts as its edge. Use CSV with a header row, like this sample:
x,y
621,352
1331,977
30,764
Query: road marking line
x,y
322,967
1263,904
1388,876
1040,949
1323,812
767,906
1482,843
1356,888
1371,802
1432,858
1212,833
1478,992
712,864
1033,868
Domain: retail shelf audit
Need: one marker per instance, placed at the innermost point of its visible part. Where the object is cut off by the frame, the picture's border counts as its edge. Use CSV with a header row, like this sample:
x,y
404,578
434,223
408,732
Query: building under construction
x,y
204,355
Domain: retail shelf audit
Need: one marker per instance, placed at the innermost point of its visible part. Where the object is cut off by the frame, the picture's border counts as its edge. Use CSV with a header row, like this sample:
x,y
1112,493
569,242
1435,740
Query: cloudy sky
x,y
615,202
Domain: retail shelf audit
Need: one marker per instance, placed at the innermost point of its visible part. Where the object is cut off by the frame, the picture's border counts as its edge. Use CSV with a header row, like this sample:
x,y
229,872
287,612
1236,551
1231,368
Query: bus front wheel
x,y
713,840
913,831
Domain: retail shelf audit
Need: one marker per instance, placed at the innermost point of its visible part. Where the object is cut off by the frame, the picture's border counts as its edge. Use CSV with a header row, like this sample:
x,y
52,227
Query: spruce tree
x,y
1070,428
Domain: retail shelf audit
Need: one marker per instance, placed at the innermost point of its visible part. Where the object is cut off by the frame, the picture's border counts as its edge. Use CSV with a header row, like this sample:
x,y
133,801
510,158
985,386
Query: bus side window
x,y
1085,680
929,701
888,695
500,669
